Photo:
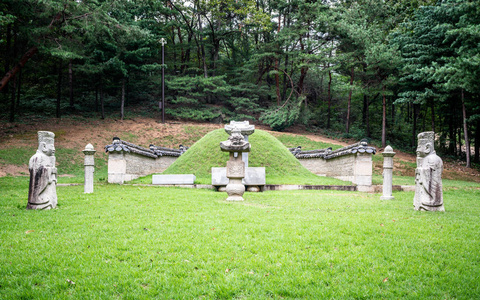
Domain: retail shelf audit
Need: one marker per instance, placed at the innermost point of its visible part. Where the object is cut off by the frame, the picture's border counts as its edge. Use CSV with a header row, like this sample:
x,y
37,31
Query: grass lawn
x,y
131,242
281,167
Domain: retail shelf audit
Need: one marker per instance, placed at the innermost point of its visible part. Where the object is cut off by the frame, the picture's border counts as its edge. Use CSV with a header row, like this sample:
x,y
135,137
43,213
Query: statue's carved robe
x,y
428,184
42,193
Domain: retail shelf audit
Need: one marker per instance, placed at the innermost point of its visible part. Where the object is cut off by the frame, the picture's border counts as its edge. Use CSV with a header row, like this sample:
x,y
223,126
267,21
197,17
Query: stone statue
x,y
42,192
428,175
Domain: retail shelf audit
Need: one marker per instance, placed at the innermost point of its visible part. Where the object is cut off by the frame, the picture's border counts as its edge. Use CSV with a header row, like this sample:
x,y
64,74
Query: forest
x,y
381,69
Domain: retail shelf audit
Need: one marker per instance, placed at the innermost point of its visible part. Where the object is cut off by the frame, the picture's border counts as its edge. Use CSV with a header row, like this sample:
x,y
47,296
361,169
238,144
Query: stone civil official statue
x,y
42,193
428,175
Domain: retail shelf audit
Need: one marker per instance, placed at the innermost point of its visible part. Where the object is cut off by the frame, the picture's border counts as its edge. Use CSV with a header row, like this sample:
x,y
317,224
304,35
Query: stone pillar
x,y
388,155
89,168
235,173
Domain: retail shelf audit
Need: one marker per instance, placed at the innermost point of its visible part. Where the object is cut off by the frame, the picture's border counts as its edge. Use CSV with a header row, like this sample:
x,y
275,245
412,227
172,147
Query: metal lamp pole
x,y
163,41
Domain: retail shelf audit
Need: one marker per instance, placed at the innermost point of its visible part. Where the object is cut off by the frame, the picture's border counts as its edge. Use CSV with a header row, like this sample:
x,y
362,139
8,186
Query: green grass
x,y
70,163
133,242
281,167
291,141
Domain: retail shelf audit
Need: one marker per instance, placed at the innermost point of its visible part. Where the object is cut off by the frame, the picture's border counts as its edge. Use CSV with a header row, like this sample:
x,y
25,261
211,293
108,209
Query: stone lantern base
x,y
235,189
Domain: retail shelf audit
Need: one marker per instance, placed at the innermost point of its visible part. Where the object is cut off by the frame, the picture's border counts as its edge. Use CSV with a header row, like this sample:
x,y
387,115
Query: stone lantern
x,y
235,166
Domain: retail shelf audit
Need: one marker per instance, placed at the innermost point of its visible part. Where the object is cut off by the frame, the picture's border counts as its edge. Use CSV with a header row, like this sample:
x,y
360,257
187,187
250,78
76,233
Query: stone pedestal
x,y
388,155
89,168
235,173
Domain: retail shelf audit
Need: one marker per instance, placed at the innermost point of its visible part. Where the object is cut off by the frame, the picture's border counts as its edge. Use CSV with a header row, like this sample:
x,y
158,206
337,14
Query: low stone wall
x,y
352,163
355,167
127,161
126,166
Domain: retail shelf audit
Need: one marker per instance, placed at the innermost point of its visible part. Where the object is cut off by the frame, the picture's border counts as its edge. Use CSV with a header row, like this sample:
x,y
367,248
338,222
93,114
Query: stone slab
x,y
253,176
173,179
291,187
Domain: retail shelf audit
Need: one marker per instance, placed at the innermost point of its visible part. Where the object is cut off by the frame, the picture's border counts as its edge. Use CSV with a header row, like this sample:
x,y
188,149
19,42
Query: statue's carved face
x,y
48,148
423,149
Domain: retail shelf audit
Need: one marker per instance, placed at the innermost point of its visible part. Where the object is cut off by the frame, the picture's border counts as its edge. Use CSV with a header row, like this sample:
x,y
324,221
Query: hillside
x,y
19,142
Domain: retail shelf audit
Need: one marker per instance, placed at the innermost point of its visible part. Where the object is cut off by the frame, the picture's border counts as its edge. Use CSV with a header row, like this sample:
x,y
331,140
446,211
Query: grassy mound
x,y
281,166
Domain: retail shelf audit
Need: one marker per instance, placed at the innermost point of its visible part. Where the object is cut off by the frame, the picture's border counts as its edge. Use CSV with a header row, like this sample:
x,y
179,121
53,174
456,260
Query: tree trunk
x,y
8,55
432,111
364,110
451,135
393,117
202,49
465,130
414,127
122,105
477,142
12,103
329,98
459,136
96,98
18,66
59,89
284,92
367,117
102,103
384,119
19,89
349,102
70,82
277,76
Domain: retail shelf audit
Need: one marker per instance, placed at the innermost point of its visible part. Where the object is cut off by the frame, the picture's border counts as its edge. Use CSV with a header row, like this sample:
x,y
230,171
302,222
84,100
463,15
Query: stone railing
x,y
351,163
127,161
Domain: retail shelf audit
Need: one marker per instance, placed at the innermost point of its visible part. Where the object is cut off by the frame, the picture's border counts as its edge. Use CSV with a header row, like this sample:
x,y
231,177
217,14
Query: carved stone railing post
x,y
388,155
235,166
89,168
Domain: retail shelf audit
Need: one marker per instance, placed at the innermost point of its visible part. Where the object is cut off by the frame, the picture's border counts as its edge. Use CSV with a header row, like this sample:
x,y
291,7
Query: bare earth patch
x,y
13,170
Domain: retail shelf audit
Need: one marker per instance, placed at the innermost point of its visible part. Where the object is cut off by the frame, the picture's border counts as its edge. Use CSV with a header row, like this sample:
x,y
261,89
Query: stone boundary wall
x,y
127,161
352,163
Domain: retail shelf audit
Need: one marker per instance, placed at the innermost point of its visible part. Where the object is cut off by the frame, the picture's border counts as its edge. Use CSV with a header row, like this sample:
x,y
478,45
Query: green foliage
x,y
281,167
198,114
143,242
282,117
227,60
292,141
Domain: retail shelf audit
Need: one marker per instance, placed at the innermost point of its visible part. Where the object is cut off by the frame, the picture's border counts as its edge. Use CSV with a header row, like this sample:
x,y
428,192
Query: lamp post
x,y
163,42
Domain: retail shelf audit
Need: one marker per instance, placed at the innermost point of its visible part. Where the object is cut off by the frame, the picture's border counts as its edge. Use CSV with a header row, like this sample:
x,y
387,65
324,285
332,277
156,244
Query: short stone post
x,y
388,155
89,168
